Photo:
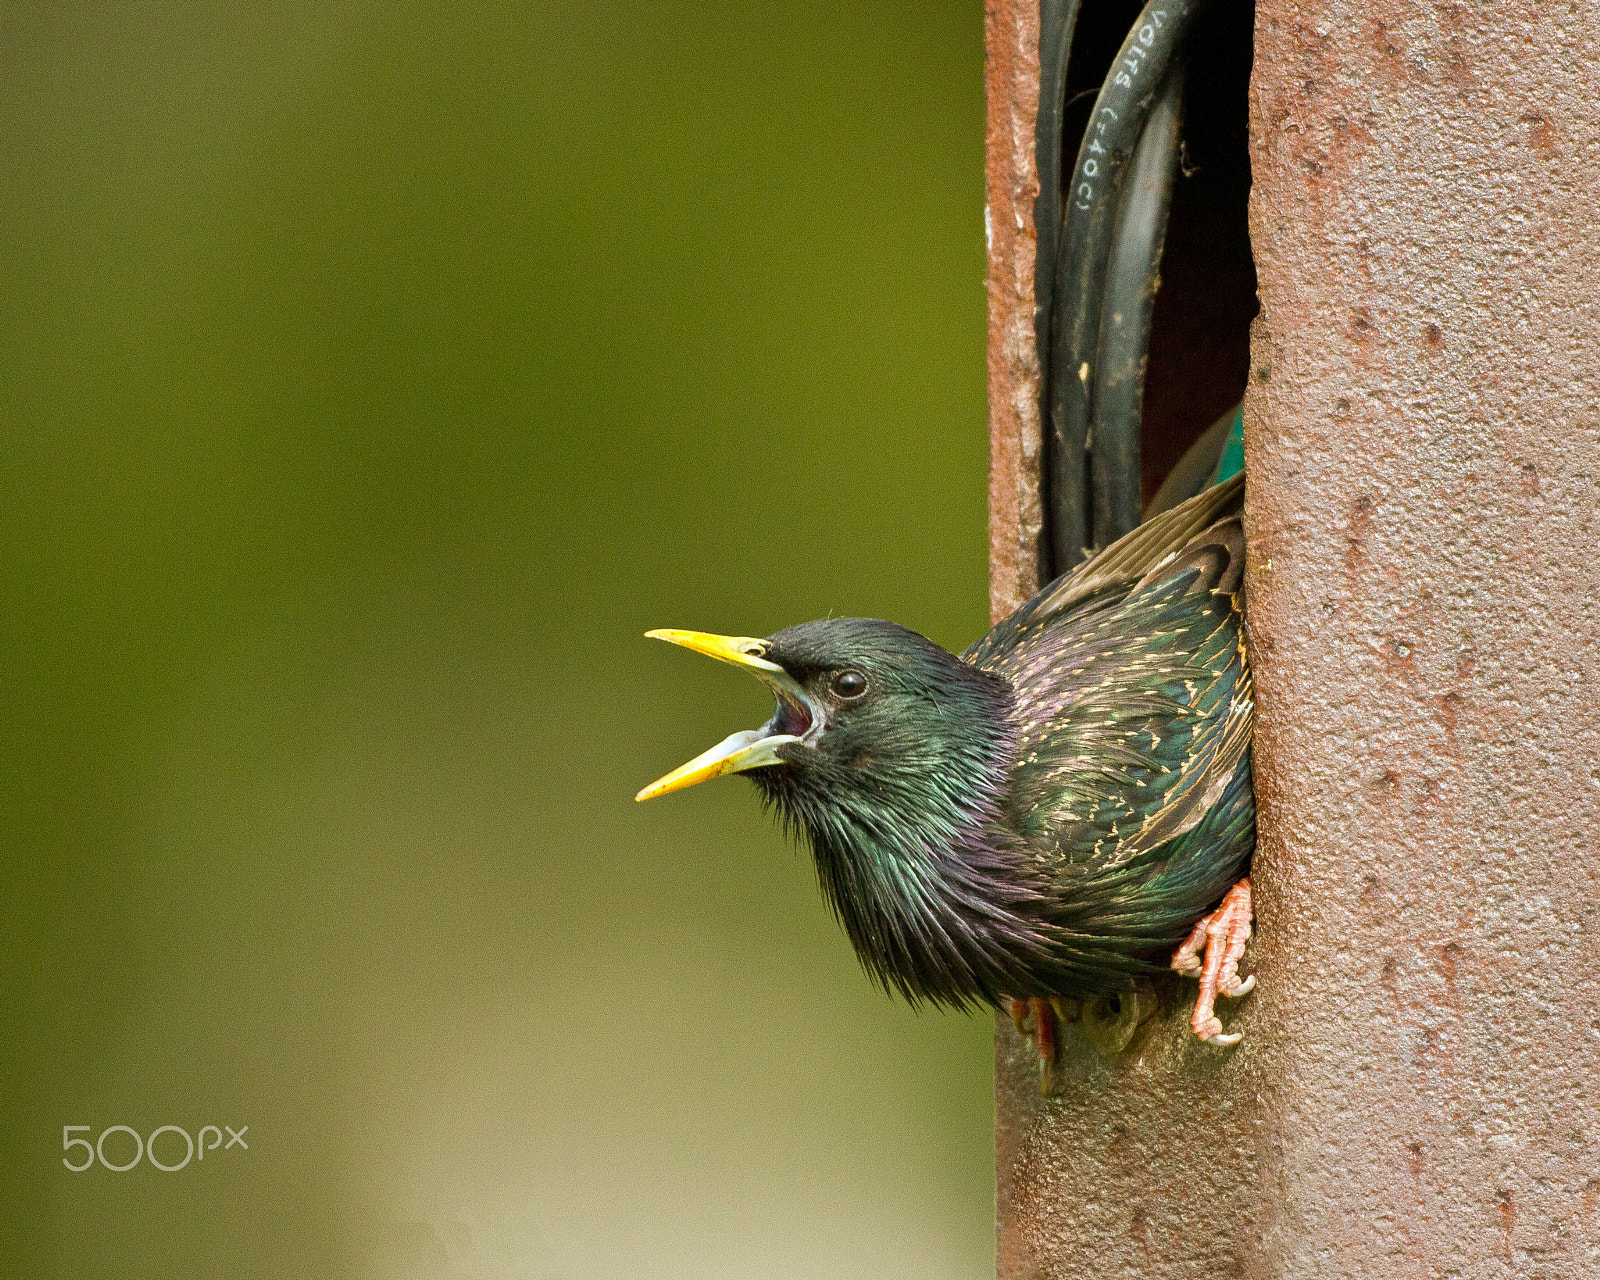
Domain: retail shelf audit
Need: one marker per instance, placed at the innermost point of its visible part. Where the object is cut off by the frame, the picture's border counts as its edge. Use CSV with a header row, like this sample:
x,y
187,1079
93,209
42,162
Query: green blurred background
x,y
373,376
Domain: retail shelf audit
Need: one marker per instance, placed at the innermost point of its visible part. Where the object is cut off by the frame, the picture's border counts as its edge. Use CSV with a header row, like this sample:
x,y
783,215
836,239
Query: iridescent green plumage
x,y
1047,814
1131,779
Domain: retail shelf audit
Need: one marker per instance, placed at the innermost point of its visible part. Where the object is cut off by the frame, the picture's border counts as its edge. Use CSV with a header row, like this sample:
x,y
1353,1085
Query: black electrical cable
x,y
1132,277
1058,19
1088,221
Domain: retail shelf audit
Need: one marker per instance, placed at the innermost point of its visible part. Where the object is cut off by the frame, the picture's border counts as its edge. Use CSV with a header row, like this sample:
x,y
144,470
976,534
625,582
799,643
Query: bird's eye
x,y
849,684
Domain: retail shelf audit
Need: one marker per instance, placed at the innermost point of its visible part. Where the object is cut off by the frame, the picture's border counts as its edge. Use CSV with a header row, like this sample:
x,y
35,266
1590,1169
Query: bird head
x,y
892,755
868,714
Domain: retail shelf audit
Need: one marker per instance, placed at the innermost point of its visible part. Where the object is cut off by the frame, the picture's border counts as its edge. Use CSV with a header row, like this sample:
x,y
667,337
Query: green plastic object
x,y
1230,462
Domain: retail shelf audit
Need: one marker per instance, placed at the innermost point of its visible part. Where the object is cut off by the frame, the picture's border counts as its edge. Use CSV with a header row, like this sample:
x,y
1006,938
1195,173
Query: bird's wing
x,y
1138,554
1134,699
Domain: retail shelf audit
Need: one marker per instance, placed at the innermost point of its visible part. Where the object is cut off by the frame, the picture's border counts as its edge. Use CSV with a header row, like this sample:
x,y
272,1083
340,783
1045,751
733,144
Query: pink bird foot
x,y
1222,934
1035,1020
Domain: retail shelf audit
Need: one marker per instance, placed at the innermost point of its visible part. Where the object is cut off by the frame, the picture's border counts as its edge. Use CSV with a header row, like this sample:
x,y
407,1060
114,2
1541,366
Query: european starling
x,y
1049,815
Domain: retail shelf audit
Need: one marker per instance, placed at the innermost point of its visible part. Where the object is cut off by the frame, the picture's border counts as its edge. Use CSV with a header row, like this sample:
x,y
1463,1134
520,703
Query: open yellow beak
x,y
751,748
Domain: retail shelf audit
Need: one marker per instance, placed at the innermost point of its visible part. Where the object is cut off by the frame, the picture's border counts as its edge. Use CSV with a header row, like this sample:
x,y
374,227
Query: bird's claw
x,y
1222,935
1034,1021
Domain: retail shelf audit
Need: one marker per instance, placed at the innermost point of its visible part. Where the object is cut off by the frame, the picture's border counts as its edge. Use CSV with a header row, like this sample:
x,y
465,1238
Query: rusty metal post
x,y
1424,448
1011,182
1418,1092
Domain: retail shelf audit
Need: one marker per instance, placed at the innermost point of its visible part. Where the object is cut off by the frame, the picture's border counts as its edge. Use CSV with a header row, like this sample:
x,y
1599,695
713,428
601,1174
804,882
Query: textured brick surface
x,y
1416,1094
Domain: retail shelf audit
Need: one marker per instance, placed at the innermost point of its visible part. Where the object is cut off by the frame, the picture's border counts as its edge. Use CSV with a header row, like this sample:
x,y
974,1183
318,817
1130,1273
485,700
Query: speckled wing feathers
x,y
1139,553
1134,714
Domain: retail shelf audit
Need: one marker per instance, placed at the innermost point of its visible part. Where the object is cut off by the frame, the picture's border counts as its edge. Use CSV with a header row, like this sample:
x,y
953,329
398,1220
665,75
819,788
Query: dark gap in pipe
x,y
1198,343
1091,207
1200,332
